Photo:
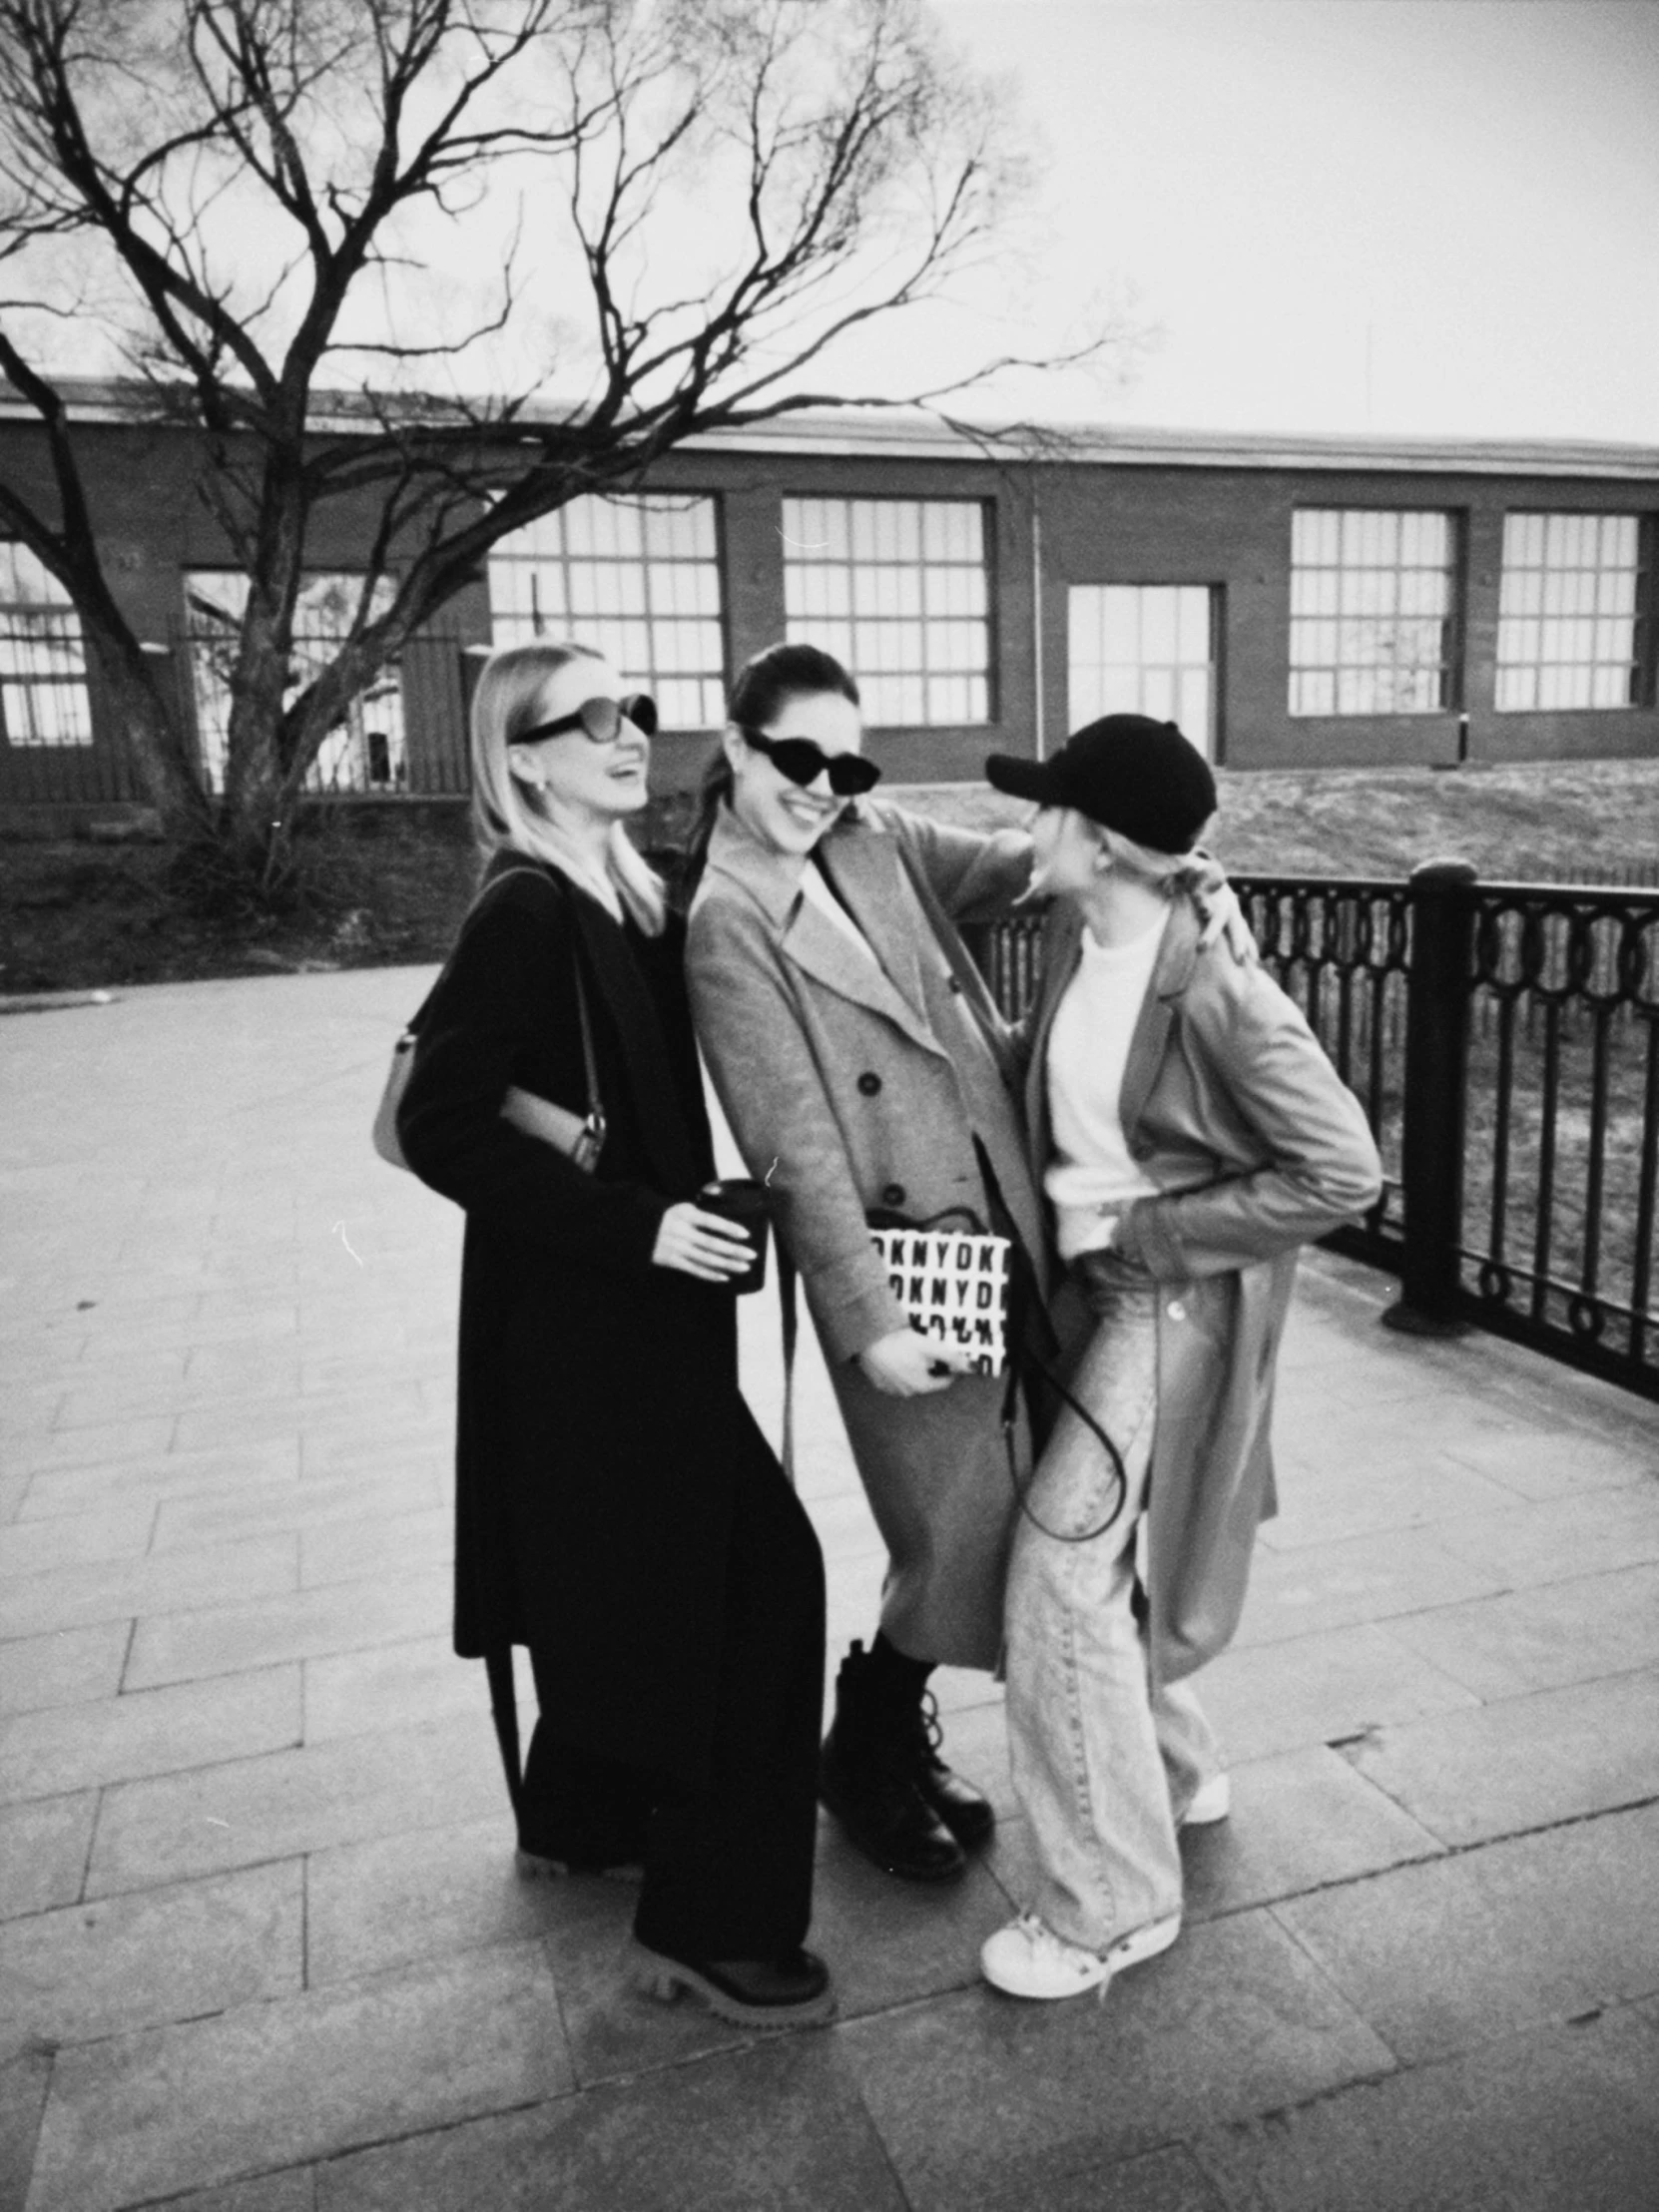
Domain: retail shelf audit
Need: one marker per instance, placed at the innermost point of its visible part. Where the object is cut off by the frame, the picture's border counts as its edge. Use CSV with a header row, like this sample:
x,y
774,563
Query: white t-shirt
x,y
1092,1175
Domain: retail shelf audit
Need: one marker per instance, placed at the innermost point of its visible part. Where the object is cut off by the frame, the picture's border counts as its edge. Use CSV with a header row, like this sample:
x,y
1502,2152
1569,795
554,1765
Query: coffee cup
x,y
738,1199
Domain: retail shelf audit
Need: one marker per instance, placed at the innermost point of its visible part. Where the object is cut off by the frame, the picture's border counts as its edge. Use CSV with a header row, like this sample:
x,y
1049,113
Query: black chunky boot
x,y
867,1777
965,1811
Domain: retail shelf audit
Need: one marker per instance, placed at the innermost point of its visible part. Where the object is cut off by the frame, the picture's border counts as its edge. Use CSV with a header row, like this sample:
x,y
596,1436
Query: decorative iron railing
x,y
1504,1041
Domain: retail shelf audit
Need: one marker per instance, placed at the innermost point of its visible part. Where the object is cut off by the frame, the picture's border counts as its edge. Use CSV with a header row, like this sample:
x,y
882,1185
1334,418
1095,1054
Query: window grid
x,y
1570,628
637,578
899,591
1370,611
366,750
1144,649
43,665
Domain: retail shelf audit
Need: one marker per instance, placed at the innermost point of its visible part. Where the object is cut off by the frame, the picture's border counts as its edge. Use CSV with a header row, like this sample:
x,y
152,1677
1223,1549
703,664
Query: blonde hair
x,y
1169,873
507,814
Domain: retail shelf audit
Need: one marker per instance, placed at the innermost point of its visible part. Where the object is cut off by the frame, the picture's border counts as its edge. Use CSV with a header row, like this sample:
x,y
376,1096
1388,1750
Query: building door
x,y
1144,649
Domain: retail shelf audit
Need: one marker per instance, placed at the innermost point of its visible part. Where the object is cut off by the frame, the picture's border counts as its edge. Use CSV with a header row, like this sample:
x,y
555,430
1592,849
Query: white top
x,y
1092,1177
817,893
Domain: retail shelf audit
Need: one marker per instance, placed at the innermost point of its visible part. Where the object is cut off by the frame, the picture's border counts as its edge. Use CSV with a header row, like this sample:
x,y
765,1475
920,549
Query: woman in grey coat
x,y
1191,1135
863,1067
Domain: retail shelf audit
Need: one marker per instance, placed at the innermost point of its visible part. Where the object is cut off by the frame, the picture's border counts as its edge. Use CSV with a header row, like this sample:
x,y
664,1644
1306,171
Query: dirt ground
x,y
76,916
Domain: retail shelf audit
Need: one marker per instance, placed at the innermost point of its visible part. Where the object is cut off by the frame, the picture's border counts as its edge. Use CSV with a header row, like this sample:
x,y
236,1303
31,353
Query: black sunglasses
x,y
804,761
599,720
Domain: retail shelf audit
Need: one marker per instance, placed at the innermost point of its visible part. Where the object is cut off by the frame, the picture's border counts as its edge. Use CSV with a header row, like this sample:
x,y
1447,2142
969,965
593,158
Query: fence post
x,y
1436,1077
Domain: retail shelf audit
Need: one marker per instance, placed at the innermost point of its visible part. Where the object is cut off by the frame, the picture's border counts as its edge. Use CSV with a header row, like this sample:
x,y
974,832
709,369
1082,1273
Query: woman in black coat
x,y
617,1509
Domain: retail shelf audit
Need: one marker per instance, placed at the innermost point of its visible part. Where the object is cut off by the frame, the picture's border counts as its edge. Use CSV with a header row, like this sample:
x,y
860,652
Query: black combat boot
x,y
867,1777
965,1811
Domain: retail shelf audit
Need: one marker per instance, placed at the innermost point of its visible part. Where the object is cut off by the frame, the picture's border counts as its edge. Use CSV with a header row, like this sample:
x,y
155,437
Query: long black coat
x,y
599,1419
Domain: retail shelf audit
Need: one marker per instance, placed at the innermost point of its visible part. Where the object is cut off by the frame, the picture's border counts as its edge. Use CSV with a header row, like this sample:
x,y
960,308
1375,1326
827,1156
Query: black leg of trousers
x,y
580,1806
729,1869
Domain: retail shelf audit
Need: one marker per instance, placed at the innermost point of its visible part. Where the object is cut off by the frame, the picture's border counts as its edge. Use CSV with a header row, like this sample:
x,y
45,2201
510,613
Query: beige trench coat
x,y
854,1083
1231,1107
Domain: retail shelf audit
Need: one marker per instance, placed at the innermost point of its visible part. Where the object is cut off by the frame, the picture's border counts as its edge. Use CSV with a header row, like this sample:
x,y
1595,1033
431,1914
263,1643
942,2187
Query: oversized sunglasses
x,y
599,720
804,761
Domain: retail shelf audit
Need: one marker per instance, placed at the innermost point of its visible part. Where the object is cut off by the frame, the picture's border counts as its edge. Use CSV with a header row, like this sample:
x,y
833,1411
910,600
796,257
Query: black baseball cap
x,y
1130,773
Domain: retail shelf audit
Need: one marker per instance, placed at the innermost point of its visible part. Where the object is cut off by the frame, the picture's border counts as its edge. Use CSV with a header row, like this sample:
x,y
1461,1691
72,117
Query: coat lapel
x,y
812,943
1150,1040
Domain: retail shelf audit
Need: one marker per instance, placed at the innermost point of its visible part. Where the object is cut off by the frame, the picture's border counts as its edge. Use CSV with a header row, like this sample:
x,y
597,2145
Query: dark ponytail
x,y
765,685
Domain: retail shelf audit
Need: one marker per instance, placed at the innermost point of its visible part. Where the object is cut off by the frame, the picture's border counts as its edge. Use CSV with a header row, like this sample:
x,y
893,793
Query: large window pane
x,y
1389,576
1574,568
639,580
1143,649
911,575
43,670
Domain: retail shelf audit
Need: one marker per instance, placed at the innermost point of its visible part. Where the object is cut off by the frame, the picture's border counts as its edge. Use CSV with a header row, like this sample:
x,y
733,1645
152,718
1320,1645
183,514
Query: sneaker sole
x,y
1128,1950
667,1980
1142,1943
1199,1816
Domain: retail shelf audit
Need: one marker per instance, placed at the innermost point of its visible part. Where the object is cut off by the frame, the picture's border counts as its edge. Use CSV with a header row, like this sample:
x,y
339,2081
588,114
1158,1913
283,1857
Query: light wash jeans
x,y
1104,1762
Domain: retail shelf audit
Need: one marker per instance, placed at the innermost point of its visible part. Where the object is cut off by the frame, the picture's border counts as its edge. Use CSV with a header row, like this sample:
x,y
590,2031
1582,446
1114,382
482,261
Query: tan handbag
x,y
581,1138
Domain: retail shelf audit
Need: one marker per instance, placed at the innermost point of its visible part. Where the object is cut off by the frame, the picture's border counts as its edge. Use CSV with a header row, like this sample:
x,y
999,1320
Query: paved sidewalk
x,y
261,1945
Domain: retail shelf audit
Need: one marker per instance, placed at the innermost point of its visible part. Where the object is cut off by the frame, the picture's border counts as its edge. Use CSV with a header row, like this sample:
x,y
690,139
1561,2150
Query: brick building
x,y
1291,601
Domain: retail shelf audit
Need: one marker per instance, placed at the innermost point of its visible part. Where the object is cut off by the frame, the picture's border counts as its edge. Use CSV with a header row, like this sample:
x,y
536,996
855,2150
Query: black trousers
x,y
729,1867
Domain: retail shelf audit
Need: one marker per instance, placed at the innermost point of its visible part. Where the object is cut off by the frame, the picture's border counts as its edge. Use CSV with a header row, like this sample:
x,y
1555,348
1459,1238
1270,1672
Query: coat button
x,y
1175,1310
956,986
893,1194
869,1083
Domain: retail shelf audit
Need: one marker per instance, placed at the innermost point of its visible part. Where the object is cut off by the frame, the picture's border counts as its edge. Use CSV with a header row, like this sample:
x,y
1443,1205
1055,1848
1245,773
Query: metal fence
x,y
1504,1041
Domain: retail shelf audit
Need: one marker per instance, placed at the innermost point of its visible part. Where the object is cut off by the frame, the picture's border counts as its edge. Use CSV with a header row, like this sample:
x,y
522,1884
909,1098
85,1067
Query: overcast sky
x,y
1435,217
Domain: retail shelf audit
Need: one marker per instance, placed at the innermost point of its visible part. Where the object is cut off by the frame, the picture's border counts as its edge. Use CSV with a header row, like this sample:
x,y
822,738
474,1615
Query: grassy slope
x,y
1554,820
76,917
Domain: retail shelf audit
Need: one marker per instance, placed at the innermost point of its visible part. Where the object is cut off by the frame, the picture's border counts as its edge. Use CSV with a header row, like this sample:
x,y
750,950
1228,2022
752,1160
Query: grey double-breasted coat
x,y
854,1083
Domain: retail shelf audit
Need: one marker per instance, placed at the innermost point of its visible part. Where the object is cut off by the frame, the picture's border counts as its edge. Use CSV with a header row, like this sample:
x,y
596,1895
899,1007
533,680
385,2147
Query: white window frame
x,y
44,701
899,591
1144,649
1373,606
1571,627
638,576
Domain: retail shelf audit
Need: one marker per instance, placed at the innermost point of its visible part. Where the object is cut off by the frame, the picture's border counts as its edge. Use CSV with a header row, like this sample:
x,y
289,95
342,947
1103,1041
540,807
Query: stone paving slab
x,y
296,2078
1463,1951
95,1969
264,1949
1520,1763
1565,2119
977,2094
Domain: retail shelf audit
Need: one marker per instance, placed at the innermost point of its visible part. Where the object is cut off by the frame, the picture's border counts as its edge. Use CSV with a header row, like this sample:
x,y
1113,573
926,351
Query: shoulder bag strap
x,y
590,1070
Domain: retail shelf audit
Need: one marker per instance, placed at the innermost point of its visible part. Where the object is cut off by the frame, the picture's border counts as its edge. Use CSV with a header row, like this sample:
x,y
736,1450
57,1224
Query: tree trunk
x,y
162,743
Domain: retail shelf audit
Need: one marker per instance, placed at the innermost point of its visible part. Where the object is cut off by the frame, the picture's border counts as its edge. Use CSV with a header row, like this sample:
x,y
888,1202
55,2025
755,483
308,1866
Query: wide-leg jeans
x,y
1105,1760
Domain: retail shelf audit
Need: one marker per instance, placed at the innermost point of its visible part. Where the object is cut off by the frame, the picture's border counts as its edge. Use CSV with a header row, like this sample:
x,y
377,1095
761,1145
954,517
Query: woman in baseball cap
x,y
1190,1135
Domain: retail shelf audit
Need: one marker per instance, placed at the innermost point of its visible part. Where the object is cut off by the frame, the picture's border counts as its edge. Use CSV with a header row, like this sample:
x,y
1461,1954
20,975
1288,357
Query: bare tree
x,y
248,199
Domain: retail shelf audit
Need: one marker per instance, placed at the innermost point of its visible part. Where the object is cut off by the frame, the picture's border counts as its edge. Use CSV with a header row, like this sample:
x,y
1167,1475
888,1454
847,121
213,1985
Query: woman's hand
x,y
1220,914
704,1245
908,1364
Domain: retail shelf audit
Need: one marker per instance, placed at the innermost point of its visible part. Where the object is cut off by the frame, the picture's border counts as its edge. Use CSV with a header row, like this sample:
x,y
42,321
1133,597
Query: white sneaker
x,y
1212,1801
1028,1960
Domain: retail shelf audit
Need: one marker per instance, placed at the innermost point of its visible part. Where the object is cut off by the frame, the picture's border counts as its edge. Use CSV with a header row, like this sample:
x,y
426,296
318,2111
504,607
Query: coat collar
x,y
1171,974
868,873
